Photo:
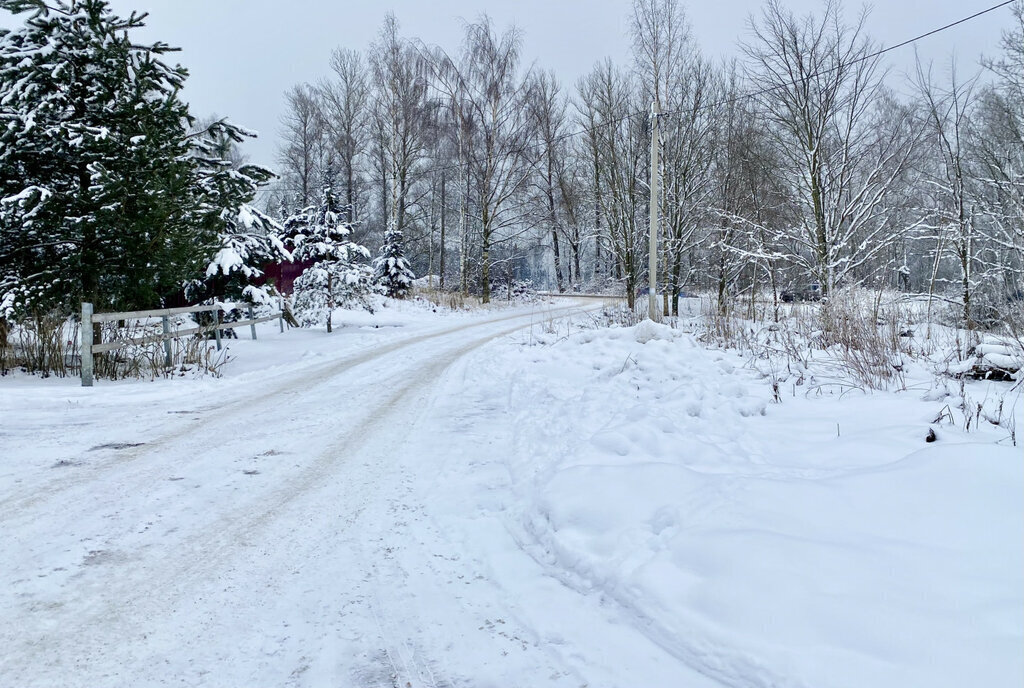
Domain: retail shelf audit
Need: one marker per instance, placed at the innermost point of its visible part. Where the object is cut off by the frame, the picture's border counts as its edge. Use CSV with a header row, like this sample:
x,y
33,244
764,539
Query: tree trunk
x,y
576,255
350,194
330,301
463,228
485,268
820,235
558,259
677,271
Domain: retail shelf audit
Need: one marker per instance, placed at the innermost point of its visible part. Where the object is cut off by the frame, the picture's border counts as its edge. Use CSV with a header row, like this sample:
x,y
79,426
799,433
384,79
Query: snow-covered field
x,y
503,499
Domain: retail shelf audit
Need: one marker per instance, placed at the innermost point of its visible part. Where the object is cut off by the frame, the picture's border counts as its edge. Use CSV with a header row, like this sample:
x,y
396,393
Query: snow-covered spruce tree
x,y
105,193
246,237
96,180
334,279
250,239
391,269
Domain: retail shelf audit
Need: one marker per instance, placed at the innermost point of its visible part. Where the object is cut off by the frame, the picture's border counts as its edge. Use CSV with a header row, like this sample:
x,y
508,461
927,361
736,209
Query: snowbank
x,y
817,542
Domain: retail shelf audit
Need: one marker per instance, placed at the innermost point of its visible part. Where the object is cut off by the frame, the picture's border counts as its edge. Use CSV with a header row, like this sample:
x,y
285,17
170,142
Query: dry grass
x,y
44,345
452,300
50,346
192,355
855,339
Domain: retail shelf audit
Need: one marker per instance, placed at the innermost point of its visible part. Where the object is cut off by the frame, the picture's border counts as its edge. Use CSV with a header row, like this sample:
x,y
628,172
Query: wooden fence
x,y
89,347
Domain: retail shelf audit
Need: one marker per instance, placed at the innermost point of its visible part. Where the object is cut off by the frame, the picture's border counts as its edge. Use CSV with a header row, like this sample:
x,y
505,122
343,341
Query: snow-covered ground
x,y
503,499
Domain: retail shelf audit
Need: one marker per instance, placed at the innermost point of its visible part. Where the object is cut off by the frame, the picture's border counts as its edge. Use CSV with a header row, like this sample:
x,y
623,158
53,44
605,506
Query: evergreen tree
x,y
105,196
391,269
246,237
335,279
250,239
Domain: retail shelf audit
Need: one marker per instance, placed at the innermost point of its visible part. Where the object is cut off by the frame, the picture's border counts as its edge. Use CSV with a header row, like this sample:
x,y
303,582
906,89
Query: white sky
x,y
243,54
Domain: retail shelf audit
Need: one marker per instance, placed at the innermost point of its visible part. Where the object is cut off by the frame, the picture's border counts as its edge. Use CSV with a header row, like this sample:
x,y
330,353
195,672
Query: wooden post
x,y
280,305
216,327
167,341
252,327
87,366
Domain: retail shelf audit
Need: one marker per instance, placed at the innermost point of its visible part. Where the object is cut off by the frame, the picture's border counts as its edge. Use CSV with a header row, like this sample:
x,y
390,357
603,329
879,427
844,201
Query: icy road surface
x,y
434,503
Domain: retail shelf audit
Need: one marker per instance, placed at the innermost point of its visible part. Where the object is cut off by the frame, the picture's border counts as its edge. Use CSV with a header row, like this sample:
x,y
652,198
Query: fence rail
x,y
89,318
160,313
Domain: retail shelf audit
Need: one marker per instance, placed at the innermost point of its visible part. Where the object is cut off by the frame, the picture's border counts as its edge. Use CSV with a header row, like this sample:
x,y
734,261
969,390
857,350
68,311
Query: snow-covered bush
x,y
329,285
391,268
336,279
855,338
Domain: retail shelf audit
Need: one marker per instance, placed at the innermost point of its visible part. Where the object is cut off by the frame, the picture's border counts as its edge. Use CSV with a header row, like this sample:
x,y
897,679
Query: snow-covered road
x,y
249,537
421,500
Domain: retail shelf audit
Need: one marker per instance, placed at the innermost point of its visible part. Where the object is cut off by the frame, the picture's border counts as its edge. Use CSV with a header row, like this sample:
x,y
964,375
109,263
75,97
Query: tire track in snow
x,y
114,605
285,383
705,653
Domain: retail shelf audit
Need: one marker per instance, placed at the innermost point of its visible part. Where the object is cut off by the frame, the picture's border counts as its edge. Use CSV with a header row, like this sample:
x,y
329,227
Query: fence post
x,y
252,326
87,344
216,326
280,306
167,341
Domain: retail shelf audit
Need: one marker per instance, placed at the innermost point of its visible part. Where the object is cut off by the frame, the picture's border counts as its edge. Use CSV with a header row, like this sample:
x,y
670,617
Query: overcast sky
x,y
243,54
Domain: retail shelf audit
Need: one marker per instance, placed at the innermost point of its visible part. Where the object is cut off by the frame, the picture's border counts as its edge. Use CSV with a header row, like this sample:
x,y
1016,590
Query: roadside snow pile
x,y
649,330
817,542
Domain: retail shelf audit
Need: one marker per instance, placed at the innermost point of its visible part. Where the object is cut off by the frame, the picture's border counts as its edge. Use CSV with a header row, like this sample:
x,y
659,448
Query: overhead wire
x,y
863,58
727,101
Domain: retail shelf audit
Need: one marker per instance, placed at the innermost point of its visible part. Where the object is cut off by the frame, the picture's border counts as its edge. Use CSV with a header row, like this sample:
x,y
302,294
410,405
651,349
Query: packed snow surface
x,y
502,499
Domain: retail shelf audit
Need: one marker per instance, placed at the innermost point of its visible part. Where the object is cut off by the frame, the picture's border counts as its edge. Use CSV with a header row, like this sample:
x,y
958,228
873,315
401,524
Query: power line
x,y
744,96
863,58
943,28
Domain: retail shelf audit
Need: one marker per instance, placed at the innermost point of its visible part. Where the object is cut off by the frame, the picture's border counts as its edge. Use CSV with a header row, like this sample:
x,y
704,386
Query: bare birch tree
x,y
302,150
344,105
620,140
821,85
548,110
400,123
999,149
946,112
497,96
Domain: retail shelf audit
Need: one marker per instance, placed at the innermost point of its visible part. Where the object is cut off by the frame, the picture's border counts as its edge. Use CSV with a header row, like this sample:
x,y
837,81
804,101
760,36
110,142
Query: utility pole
x,y
653,312
444,208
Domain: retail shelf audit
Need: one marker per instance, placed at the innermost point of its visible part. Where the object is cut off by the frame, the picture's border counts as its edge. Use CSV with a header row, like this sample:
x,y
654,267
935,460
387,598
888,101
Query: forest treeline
x,y
804,163
112,192
806,160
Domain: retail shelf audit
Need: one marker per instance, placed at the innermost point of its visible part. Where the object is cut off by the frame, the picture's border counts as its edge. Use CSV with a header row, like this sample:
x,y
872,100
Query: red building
x,y
283,275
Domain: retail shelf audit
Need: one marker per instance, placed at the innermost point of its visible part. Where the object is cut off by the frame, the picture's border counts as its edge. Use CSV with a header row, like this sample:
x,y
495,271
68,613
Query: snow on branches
x,y
391,269
335,279
106,193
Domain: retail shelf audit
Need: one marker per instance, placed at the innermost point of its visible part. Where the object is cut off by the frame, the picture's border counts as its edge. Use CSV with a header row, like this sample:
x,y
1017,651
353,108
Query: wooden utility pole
x,y
653,311
444,211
